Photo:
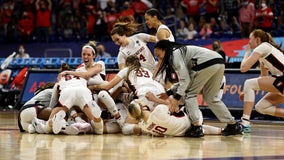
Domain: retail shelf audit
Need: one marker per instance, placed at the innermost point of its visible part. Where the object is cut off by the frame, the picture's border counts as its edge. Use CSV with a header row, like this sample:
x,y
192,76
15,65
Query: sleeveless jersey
x,y
171,38
137,46
96,79
160,122
271,57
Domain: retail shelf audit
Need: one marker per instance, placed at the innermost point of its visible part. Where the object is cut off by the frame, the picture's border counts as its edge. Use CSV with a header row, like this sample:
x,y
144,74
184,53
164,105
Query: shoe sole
x,y
57,122
38,125
70,130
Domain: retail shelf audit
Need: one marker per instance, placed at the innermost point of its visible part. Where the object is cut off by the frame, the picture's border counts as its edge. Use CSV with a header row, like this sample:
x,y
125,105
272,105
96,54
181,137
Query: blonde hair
x,y
134,108
133,63
91,45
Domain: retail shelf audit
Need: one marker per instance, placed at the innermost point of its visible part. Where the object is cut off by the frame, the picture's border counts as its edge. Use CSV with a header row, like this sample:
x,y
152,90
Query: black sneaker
x,y
232,129
194,131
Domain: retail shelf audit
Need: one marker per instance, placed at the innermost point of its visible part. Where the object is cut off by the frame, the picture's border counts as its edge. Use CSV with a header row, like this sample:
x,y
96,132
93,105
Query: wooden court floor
x,y
265,142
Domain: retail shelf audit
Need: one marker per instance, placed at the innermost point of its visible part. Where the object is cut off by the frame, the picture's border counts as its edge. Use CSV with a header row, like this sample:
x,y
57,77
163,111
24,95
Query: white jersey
x,y
271,57
142,82
74,91
161,122
171,38
96,79
138,46
71,81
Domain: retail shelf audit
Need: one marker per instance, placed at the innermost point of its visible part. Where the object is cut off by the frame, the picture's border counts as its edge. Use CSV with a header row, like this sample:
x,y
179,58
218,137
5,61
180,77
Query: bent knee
x,y
265,108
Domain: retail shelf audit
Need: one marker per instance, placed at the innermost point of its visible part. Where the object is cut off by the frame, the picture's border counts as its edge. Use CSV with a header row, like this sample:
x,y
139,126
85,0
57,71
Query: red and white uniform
x,y
272,58
74,91
138,46
96,79
161,122
142,81
171,38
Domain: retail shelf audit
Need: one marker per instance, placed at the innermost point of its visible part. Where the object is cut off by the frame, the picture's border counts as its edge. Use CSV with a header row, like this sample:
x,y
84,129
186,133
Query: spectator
x,y
214,27
211,10
6,13
126,11
26,26
22,53
217,46
43,19
192,8
102,52
101,27
205,31
139,8
192,33
246,18
264,17
182,30
231,9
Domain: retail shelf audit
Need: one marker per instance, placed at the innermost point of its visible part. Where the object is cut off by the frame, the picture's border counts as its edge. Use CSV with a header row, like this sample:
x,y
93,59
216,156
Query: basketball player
x,y
139,80
271,60
154,20
160,122
132,44
73,92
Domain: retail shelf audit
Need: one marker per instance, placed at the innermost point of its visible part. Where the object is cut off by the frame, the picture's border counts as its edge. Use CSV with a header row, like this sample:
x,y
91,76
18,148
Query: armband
x,y
177,96
170,92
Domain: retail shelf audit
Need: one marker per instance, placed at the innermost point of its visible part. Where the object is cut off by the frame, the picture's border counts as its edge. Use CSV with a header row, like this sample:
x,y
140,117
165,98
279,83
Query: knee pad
x,y
96,110
249,88
108,101
128,129
265,107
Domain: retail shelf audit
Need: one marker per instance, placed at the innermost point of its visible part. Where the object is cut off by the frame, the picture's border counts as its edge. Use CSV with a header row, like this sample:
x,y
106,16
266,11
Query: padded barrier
x,y
54,62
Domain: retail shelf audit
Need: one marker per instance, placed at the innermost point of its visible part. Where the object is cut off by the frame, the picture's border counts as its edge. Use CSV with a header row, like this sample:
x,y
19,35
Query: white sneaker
x,y
58,121
120,122
83,127
31,129
39,125
97,127
70,130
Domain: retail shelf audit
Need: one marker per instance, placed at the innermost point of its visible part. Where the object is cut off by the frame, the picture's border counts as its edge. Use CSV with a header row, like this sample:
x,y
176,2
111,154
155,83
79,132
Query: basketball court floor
x,y
265,142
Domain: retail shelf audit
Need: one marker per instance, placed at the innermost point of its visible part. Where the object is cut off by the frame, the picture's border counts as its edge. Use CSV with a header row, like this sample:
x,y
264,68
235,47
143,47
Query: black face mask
x,y
215,46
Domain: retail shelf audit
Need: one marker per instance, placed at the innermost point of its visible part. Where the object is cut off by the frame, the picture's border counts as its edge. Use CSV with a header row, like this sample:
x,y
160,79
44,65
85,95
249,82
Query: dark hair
x,y
64,67
154,12
166,64
46,86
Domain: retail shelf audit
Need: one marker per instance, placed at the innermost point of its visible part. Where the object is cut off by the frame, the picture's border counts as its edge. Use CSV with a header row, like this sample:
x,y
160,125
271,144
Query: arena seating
x,y
54,62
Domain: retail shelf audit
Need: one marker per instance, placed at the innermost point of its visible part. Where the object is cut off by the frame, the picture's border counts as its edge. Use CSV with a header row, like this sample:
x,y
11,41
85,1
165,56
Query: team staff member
x,y
271,59
199,69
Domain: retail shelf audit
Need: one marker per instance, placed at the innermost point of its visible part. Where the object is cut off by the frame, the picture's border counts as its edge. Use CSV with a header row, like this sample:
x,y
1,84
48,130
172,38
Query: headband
x,y
90,47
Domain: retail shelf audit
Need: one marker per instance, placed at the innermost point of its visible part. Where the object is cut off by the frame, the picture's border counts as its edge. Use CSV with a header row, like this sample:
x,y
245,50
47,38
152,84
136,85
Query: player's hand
x,y
173,106
241,96
150,96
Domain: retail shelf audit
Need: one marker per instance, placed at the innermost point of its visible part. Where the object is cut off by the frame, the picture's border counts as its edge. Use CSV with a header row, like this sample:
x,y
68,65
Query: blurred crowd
x,y
76,20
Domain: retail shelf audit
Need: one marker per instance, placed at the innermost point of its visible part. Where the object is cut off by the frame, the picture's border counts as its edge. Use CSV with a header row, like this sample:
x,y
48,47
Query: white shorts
x,y
75,96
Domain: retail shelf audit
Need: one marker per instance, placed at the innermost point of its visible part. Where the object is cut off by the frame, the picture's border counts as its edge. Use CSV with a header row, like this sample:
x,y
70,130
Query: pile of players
x,y
145,97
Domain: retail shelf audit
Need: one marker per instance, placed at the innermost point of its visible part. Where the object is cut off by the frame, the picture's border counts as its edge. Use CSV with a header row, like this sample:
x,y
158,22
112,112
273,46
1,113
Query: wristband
x,y
170,92
177,96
